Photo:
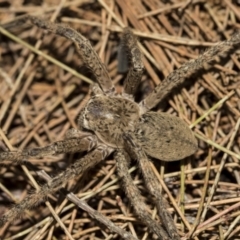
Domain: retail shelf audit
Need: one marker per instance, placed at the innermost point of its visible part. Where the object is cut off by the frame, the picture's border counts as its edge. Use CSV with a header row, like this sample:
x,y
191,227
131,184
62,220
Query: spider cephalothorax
x,y
115,123
109,117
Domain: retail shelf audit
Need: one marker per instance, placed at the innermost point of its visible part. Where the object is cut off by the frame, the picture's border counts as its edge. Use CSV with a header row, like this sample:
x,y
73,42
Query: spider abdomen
x,y
165,137
109,117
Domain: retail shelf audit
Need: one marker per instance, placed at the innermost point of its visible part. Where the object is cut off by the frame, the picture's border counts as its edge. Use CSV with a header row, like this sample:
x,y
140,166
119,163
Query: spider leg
x,y
76,133
69,145
178,76
122,159
74,170
86,51
152,185
135,73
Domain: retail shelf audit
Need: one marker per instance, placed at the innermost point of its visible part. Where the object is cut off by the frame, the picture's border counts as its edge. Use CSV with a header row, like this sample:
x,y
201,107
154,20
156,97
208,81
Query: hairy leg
x,y
69,145
122,159
152,185
178,76
86,51
74,170
135,73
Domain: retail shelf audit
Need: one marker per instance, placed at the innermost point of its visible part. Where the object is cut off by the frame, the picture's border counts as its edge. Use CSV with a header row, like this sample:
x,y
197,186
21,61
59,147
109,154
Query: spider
x,y
113,123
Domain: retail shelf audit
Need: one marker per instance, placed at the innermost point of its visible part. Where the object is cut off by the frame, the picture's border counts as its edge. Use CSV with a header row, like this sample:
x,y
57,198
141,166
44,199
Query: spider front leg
x,y
73,143
179,75
152,184
74,170
122,159
135,72
85,49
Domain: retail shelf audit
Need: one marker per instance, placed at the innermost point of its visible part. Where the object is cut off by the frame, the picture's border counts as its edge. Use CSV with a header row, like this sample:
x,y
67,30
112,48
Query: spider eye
x,y
96,109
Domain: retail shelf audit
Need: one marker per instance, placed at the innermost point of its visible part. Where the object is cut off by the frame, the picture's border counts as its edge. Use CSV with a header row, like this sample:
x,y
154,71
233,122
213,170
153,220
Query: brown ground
x,y
40,101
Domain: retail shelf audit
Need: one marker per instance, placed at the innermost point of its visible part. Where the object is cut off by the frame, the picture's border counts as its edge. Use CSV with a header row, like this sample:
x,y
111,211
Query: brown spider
x,y
115,123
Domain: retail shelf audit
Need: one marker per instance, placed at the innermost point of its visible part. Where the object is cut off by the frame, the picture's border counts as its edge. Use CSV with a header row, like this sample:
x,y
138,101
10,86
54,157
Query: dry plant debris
x,y
41,99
